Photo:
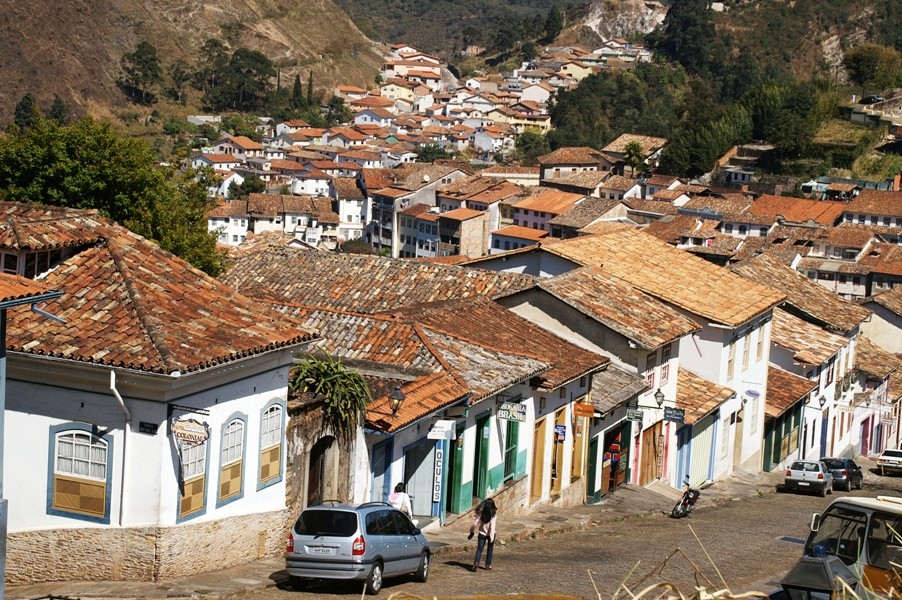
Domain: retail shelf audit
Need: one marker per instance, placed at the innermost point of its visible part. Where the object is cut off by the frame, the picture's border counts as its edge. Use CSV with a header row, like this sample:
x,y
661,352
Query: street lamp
x,y
822,401
396,398
659,397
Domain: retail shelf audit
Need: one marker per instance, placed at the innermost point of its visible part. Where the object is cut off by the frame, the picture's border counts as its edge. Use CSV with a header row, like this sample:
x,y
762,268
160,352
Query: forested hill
x,y
73,48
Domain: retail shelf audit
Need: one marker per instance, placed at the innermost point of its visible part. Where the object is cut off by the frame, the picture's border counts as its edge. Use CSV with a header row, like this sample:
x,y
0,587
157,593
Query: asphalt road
x,y
743,545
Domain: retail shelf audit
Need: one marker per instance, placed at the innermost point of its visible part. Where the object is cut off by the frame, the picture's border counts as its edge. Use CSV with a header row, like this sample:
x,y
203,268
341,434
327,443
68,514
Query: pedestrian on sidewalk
x,y
400,500
484,525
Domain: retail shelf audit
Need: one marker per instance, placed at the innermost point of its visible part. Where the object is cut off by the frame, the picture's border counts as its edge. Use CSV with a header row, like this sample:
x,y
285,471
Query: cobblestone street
x,y
743,539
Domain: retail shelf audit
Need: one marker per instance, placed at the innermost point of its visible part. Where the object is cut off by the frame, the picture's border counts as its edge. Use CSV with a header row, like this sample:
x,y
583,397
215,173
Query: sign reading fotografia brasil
x,y
512,411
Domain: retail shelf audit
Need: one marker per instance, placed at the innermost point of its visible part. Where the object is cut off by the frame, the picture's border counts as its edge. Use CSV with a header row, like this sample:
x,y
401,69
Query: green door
x,y
481,462
593,490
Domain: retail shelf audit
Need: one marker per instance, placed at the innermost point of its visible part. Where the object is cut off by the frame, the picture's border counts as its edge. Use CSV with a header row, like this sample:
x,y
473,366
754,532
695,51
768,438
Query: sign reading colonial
x,y
512,411
190,432
634,415
677,415
442,430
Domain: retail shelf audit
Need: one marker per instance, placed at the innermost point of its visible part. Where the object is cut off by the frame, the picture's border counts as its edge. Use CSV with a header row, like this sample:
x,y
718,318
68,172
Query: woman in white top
x,y
400,500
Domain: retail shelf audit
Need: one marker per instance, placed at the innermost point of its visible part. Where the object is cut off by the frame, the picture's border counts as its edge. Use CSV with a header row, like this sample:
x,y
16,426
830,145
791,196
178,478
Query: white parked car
x,y
890,461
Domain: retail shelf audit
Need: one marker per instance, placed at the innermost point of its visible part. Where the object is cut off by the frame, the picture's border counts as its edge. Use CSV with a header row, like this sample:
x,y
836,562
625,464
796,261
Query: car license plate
x,y
803,483
322,550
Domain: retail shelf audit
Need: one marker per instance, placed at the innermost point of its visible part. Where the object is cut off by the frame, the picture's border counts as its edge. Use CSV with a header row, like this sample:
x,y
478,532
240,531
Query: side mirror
x,y
416,531
815,522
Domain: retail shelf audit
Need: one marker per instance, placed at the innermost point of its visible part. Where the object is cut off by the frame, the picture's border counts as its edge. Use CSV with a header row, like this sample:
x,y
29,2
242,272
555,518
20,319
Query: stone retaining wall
x,y
143,553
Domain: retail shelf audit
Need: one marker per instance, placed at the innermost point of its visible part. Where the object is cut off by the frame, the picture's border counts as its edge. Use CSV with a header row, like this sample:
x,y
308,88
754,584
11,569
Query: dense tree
x,y
297,94
26,113
59,112
142,72
554,23
431,153
215,58
530,145
179,76
873,67
337,111
310,89
357,246
251,185
245,83
687,34
86,165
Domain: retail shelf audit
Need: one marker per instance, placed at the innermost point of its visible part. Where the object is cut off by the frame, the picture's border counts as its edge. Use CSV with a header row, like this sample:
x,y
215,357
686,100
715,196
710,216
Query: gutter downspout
x,y
128,425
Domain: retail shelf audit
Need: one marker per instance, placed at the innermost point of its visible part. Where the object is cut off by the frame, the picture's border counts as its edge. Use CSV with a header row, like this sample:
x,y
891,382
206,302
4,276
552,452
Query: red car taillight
x,y
788,473
820,475
289,546
845,473
358,548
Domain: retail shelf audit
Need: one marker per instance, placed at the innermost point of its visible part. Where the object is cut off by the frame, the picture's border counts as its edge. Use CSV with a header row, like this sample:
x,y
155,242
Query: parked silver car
x,y
368,542
809,476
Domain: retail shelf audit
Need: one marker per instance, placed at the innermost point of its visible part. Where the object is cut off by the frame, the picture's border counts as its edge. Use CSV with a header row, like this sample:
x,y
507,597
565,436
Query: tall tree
x,y
297,95
86,165
59,112
245,84
26,113
310,89
215,59
179,76
142,71
633,156
554,24
688,31
530,145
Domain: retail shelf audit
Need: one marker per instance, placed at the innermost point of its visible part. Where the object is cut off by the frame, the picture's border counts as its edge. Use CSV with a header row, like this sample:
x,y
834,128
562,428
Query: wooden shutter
x,y
79,496
193,498
270,463
230,481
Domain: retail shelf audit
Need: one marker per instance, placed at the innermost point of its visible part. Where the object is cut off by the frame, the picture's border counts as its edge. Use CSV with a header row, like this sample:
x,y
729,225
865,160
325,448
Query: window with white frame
x,y
731,358
271,444
665,364
650,364
231,461
194,480
80,485
746,350
760,350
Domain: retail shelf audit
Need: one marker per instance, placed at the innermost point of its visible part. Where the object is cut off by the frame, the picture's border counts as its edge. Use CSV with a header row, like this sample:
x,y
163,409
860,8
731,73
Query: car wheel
x,y
374,581
849,486
824,492
859,484
422,573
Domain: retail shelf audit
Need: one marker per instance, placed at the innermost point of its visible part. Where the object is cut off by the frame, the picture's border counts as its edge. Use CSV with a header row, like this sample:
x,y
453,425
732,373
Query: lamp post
x,y
659,398
822,401
395,399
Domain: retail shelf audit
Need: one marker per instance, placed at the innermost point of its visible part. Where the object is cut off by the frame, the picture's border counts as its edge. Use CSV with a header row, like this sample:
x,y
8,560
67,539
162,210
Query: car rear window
x,y
833,463
337,523
893,453
804,466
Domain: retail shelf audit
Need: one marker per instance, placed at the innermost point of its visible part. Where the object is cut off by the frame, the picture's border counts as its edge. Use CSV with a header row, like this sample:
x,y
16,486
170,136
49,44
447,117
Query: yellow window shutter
x,y
270,463
230,481
193,498
79,495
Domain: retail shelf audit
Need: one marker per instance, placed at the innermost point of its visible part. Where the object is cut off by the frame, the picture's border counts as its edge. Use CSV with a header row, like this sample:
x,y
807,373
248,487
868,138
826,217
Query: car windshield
x,y
893,453
841,532
335,523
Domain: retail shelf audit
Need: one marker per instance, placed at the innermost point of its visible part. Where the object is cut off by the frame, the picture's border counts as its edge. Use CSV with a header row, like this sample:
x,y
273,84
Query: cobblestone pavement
x,y
746,534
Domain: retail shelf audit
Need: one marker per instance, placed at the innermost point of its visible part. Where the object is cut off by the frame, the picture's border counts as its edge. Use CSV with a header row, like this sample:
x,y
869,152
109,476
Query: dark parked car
x,y
871,99
366,542
809,476
845,473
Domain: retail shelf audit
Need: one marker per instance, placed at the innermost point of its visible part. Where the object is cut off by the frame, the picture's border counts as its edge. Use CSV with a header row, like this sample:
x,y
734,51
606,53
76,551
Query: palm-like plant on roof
x,y
344,392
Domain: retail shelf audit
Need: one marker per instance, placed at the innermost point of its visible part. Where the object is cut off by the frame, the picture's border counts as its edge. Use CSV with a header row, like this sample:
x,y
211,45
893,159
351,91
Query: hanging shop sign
x,y
442,430
583,409
190,432
634,415
677,415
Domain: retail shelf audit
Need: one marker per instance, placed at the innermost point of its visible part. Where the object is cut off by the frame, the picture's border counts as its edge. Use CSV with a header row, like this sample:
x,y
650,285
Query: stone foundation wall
x,y
143,553
573,495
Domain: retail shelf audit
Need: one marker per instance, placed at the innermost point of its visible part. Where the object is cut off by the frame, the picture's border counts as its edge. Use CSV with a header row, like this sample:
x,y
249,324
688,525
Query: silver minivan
x,y
367,542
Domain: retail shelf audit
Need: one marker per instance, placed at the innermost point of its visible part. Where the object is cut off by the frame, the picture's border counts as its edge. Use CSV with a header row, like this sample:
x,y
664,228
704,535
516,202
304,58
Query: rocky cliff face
x,y
591,23
73,48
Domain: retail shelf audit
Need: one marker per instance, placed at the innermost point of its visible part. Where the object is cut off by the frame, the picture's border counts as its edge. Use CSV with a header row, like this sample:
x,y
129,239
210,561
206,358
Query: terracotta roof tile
x,y
129,304
550,201
890,299
523,233
669,274
14,287
784,389
698,396
649,143
462,214
798,210
613,387
810,344
804,296
883,258
876,202
422,397
872,359
366,284
639,317
586,212
577,155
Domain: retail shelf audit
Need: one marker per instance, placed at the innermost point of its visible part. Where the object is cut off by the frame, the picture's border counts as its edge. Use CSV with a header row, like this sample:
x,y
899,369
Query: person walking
x,y
400,500
484,525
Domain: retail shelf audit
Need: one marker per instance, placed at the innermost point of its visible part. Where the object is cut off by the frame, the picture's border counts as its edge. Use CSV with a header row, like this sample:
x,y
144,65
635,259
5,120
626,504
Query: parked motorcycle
x,y
686,503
